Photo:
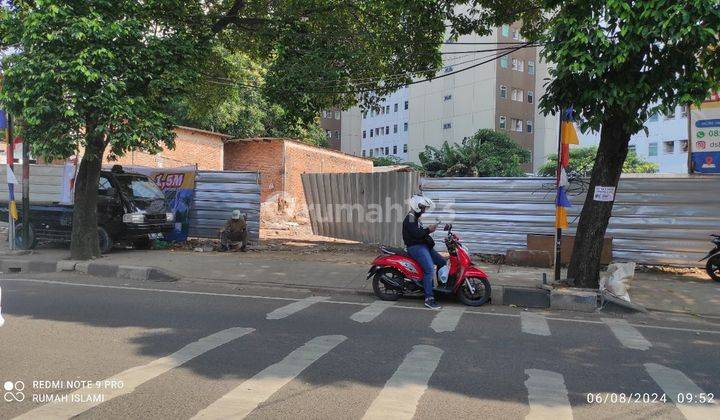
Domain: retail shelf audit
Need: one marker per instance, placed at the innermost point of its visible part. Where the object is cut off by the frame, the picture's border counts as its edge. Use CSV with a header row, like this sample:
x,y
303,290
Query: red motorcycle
x,y
396,274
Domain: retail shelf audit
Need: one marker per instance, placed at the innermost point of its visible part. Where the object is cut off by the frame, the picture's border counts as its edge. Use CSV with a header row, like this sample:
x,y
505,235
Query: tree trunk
x,y
84,243
613,149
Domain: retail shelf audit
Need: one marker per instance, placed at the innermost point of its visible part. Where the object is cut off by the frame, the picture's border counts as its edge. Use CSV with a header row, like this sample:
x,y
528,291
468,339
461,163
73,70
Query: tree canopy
x,y
582,160
487,153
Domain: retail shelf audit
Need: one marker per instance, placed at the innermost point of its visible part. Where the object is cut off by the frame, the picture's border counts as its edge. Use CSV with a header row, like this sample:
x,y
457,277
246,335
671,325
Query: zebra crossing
x,y
547,391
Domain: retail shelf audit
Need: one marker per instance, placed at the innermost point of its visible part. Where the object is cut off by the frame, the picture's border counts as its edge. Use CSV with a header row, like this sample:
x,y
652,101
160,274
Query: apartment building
x,y
665,143
384,130
497,95
331,122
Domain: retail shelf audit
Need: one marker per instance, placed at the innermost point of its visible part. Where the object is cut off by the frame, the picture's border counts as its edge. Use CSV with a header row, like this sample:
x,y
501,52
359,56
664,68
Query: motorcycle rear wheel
x,y
481,295
713,267
382,291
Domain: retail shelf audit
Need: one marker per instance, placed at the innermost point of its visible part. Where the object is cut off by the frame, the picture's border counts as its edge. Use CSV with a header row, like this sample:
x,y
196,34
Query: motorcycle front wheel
x,y
380,284
713,267
480,293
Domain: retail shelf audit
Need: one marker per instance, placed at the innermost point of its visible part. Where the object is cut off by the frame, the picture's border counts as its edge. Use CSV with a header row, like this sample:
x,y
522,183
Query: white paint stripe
x,y
531,323
627,335
133,377
371,312
447,319
245,398
294,307
547,395
399,398
337,302
673,383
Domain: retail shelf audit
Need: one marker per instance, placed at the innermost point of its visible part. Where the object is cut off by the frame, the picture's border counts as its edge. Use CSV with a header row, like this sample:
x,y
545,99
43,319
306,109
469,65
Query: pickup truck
x,y
131,209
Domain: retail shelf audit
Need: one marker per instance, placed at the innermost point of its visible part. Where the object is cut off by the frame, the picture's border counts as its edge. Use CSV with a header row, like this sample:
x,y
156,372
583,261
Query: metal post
x,y
10,147
690,139
26,194
558,232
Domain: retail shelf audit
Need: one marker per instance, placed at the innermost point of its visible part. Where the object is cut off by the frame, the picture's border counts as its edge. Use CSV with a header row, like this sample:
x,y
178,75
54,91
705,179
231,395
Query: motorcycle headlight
x,y
170,217
133,218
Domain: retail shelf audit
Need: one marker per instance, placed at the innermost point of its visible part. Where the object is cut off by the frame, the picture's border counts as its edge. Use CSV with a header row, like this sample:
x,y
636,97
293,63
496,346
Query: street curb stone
x,y
526,297
27,266
574,300
11,266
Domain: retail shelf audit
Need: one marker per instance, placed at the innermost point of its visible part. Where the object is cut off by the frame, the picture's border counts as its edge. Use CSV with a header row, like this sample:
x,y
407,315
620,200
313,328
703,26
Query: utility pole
x,y
9,154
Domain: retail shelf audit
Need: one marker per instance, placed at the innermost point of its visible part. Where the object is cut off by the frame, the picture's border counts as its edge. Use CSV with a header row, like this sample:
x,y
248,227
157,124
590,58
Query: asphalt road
x,y
98,348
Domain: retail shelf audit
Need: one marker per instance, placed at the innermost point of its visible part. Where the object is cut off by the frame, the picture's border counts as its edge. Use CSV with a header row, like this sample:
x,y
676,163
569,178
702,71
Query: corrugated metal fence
x,y
656,219
45,183
217,194
365,207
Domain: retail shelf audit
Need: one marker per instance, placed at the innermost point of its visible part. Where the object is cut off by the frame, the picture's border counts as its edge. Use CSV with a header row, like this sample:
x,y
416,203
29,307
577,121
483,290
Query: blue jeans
x,y
427,258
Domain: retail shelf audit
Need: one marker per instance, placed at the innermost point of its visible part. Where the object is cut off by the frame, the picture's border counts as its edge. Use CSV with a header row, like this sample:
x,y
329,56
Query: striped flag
x,y
568,136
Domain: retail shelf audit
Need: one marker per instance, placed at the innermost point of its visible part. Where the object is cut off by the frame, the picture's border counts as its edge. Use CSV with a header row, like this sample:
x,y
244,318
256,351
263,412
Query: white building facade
x,y
665,144
384,131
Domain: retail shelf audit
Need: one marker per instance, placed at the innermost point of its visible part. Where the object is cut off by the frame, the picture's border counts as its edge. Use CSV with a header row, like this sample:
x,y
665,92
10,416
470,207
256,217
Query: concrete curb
x,y
92,268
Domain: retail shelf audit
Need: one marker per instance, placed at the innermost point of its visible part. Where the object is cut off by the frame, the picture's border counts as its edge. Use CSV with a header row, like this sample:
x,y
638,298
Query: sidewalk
x,y
343,266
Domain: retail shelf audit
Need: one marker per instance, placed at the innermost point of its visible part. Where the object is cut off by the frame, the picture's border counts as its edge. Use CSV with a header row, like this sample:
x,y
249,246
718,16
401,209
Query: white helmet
x,y
418,203
236,214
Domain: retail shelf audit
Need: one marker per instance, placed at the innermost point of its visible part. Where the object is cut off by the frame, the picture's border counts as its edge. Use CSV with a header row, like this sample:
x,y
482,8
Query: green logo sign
x,y
700,134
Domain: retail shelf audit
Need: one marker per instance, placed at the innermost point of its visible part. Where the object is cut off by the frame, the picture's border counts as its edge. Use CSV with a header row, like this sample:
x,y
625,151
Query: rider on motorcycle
x,y
420,245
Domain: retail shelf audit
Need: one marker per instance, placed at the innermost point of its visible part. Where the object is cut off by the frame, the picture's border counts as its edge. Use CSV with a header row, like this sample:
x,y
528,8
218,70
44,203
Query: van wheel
x,y
106,242
19,243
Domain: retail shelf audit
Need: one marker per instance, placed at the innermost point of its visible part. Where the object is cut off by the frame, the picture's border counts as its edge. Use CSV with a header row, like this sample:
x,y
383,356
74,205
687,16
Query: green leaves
x,y
582,160
487,153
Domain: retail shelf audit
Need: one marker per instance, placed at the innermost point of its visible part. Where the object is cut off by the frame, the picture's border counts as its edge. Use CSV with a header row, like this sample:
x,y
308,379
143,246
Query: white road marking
x,y
371,312
298,306
447,319
674,383
531,323
399,398
336,302
627,334
245,398
83,399
548,395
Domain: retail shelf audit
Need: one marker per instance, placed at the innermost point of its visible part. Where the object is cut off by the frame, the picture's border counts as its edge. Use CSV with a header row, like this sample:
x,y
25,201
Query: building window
x,y
517,125
395,128
364,134
529,126
516,34
407,104
364,152
404,148
514,63
506,30
337,134
653,117
518,65
387,150
405,127
371,133
328,133
670,115
387,129
531,67
683,112
396,107
668,147
337,115
447,126
504,62
683,146
388,109
503,122
394,150
371,152
503,91
447,98
531,97
377,131
364,115
652,149
632,149
517,95
448,69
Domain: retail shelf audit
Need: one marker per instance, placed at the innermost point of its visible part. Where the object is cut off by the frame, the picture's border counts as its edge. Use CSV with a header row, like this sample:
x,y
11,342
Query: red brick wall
x,y
191,147
266,156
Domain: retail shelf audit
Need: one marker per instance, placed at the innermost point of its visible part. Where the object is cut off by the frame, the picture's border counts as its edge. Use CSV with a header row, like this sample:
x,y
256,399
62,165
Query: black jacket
x,y
414,233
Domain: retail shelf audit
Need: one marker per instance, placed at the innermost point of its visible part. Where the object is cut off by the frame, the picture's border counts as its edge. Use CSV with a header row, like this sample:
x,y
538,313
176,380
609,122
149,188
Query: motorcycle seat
x,y
389,250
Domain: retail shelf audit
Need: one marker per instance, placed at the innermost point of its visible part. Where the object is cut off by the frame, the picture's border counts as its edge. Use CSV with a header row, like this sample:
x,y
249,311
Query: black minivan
x,y
131,209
